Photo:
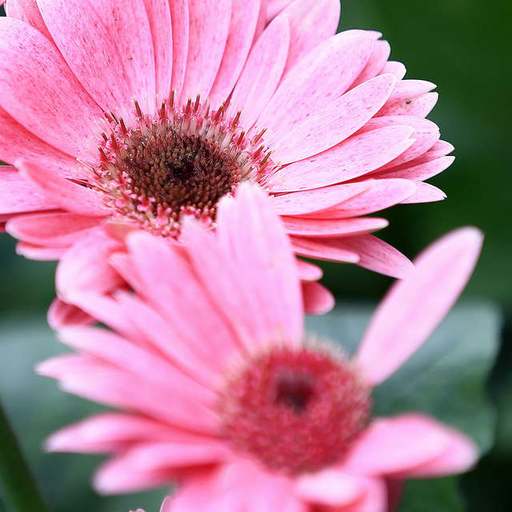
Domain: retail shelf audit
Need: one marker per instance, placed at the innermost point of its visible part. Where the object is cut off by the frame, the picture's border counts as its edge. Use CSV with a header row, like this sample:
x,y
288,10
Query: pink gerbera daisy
x,y
127,114
222,390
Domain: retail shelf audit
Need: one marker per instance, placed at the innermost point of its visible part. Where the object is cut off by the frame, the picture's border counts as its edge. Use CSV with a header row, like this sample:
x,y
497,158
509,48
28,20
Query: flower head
x,y
220,389
150,111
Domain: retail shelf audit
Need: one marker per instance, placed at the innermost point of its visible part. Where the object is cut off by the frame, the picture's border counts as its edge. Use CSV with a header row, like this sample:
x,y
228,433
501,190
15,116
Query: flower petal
x,y
180,17
318,300
52,105
27,11
112,54
332,227
209,28
414,307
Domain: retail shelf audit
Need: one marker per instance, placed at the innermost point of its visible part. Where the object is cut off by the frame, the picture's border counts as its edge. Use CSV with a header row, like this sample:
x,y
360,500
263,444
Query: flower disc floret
x,y
295,410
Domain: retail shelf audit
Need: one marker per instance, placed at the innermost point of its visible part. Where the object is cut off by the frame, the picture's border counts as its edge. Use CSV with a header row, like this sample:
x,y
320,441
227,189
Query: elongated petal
x,y
262,72
415,306
209,27
113,56
244,18
329,249
27,11
61,314
52,105
61,191
338,121
425,193
318,300
180,19
332,227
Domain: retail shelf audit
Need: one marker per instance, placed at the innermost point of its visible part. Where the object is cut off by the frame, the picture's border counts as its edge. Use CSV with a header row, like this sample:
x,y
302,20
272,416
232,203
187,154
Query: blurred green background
x,y
464,46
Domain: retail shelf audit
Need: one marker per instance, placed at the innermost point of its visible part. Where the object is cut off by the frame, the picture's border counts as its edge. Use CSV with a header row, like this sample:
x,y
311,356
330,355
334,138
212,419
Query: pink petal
x,y
180,17
376,62
381,195
27,11
52,105
55,229
262,72
17,142
209,28
425,193
395,68
274,7
332,227
419,169
356,156
376,255
108,432
327,126
159,17
113,55
181,298
329,249
329,487
85,267
318,300
394,445
61,191
415,306
268,266
36,252
61,314
308,271
244,17
19,195
311,23
374,498
404,99
318,199
317,80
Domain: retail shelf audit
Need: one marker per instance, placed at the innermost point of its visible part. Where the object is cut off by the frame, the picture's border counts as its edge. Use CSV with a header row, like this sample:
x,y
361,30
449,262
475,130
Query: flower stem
x,y
17,484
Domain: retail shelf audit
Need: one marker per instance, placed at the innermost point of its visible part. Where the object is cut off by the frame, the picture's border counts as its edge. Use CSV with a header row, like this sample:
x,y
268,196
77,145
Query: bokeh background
x,y
464,46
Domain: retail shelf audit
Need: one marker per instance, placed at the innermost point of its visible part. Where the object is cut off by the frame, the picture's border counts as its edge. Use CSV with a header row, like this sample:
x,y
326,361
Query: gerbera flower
x,y
221,389
126,114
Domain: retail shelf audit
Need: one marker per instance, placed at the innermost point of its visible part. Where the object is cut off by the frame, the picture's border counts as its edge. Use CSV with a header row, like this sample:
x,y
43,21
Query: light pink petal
x,y
419,169
374,498
17,142
244,17
460,456
376,255
317,80
397,445
109,432
329,125
425,136
180,34
420,106
376,62
36,252
52,105
332,227
381,195
317,199
61,314
425,193
18,195
329,249
395,68
27,11
166,505
274,7
262,72
415,306
308,271
183,406
356,156
238,486
112,52
54,229
330,487
403,100
209,28
318,300
181,298
85,267
159,17
311,22
254,239
61,191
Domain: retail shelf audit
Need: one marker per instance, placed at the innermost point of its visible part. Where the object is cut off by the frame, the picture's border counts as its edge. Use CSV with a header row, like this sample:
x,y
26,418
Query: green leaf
x,y
445,378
